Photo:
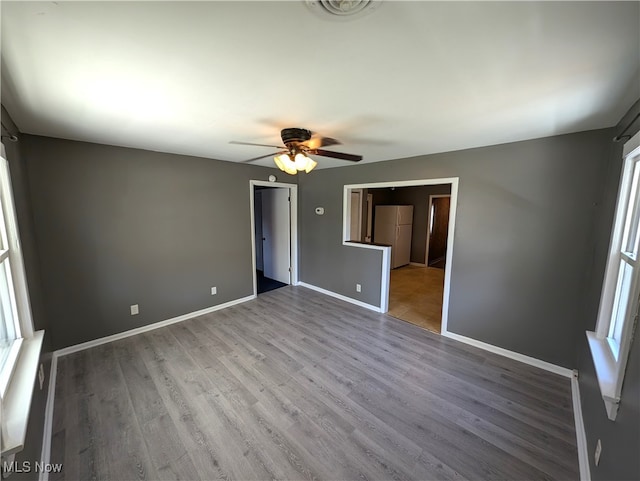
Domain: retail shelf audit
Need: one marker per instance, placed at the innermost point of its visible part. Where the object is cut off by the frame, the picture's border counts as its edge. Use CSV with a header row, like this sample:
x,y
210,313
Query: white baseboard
x,y
581,436
149,327
47,434
417,264
340,296
583,459
547,366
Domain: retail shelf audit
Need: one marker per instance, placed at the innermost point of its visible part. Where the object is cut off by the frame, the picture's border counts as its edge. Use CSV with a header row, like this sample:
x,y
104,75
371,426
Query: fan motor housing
x,y
294,136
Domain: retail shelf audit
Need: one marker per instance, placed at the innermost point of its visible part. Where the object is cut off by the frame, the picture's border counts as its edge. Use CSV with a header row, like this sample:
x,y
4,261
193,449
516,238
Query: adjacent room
x,y
414,221
319,239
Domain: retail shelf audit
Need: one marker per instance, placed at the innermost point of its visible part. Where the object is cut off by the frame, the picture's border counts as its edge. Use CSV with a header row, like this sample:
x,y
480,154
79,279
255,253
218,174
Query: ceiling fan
x,y
299,144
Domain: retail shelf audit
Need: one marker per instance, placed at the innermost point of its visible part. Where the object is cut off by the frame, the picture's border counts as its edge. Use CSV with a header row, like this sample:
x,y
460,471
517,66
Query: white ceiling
x,y
410,78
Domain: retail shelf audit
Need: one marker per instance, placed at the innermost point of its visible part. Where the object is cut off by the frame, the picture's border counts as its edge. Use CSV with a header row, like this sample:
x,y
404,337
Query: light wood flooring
x,y
415,295
297,385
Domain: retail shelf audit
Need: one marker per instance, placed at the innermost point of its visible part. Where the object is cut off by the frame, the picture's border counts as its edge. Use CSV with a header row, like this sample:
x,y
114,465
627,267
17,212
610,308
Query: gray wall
x,y
321,242
20,185
118,226
621,438
520,256
418,197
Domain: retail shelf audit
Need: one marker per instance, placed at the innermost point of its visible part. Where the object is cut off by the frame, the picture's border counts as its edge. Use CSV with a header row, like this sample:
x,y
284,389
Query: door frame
x,y
293,212
359,216
431,197
385,250
369,234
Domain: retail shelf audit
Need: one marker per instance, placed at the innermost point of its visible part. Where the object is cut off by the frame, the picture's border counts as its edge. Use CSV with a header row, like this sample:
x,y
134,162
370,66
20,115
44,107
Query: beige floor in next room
x,y
415,295
297,385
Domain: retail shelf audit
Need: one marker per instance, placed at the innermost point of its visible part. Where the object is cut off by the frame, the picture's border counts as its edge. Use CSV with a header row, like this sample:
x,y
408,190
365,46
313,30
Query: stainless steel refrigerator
x,y
392,226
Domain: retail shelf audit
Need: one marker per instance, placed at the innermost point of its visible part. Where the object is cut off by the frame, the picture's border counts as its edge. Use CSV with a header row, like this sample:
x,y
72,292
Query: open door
x,y
276,234
438,230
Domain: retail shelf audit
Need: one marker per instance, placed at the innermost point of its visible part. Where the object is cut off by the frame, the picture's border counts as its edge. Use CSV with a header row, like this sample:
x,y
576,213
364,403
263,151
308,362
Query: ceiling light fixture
x,y
342,9
299,163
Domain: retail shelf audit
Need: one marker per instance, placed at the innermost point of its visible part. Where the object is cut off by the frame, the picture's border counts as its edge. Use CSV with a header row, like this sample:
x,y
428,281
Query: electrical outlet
x,y
598,452
214,291
41,376
134,309
358,288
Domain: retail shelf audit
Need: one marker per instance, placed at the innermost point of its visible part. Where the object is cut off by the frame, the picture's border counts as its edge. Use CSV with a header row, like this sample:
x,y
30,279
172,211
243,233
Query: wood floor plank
x,y
397,445
257,442
203,452
166,450
120,438
502,411
298,385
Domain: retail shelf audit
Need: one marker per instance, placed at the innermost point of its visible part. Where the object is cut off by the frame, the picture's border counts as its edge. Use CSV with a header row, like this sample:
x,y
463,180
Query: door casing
x,y
293,192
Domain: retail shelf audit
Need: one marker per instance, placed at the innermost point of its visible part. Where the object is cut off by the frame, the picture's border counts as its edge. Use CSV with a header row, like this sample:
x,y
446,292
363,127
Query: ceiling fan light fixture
x,y
285,164
311,164
279,162
301,161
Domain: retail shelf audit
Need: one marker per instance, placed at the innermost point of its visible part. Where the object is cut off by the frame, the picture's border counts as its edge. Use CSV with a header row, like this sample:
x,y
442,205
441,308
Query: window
x,y
619,302
10,328
19,345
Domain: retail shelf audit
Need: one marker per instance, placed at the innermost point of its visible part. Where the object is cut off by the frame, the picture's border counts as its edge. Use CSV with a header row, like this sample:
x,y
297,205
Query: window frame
x,y
18,376
609,354
11,254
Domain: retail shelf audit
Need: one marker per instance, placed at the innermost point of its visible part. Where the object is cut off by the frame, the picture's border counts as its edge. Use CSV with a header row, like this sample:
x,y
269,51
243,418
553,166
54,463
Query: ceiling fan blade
x,y
336,155
317,141
257,145
261,157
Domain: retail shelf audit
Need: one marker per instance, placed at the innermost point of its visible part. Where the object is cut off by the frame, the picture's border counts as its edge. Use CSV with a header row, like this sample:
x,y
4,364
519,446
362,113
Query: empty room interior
x,y
320,239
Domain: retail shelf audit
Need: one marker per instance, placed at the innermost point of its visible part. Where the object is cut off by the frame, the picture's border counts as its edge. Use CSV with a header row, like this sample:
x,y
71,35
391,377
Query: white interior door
x,y
276,233
258,229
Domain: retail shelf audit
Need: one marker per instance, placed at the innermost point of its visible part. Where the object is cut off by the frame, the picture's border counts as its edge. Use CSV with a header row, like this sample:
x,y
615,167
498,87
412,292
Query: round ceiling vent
x,y
343,9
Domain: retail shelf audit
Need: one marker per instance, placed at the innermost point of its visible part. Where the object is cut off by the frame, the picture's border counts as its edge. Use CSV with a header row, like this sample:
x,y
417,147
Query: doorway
x,y
418,286
274,235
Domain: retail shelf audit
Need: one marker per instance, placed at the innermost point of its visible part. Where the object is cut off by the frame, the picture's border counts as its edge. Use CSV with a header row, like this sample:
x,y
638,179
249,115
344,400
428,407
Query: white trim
x,y
45,456
609,356
382,185
417,264
340,296
17,402
293,195
581,436
386,250
17,271
431,197
606,373
630,145
150,327
9,366
532,361
453,208
385,280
